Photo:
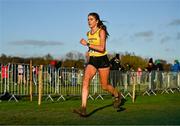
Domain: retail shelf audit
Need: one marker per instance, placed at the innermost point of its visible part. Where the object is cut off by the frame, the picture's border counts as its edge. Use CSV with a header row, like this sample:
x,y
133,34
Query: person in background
x,y
176,66
21,76
159,73
115,67
151,70
139,75
35,74
175,69
151,66
4,75
159,65
115,63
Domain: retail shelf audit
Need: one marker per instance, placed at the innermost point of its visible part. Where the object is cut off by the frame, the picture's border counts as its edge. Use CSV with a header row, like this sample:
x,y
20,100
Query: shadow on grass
x,y
120,109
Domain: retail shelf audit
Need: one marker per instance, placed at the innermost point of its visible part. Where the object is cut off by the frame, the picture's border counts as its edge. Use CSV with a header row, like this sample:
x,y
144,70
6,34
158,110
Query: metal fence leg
x,y
178,89
99,96
146,92
13,96
61,97
91,97
128,94
165,91
151,91
49,97
122,95
170,90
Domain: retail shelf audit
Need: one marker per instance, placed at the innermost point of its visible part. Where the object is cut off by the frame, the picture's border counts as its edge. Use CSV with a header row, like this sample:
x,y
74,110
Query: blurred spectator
x,y
159,73
58,65
115,68
176,66
175,69
139,74
52,72
35,74
159,66
21,76
4,75
151,66
4,71
115,63
128,67
151,69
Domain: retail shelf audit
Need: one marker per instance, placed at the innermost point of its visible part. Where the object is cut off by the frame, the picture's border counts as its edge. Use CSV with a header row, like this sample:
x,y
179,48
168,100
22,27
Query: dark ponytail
x,y
100,23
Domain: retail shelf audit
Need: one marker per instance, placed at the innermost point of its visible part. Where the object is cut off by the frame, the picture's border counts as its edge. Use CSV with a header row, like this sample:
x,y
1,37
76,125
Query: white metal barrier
x,y
15,79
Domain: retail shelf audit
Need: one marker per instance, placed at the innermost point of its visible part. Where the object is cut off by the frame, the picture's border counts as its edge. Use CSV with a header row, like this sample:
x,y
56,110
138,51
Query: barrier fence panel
x,y
62,82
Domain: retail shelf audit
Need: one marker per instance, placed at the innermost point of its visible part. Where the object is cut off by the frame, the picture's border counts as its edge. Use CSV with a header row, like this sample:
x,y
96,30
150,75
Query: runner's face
x,y
92,22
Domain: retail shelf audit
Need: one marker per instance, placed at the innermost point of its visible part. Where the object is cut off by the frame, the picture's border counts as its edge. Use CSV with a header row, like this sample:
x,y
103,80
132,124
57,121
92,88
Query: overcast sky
x,y
148,28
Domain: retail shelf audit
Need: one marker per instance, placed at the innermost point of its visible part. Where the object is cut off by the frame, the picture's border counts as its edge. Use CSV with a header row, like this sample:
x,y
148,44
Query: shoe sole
x,y
79,113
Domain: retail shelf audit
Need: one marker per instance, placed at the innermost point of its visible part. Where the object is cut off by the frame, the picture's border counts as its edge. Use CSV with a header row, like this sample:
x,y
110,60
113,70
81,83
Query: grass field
x,y
161,109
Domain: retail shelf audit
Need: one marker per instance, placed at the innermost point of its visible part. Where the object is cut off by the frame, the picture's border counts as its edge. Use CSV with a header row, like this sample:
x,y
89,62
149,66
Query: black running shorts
x,y
99,62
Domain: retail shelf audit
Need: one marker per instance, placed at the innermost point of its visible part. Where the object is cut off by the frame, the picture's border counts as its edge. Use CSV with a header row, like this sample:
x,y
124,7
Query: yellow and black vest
x,y
94,39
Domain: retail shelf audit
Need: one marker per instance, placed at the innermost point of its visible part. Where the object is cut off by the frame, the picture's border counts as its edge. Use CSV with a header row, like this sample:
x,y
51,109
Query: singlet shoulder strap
x,y
97,31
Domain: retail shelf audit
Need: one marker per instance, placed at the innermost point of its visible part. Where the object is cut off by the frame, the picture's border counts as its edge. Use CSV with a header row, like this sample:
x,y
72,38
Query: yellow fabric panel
x,y
94,39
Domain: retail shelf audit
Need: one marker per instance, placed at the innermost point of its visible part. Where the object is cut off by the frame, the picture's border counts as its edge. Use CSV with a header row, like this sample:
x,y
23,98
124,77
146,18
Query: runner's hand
x,y
83,42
